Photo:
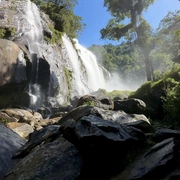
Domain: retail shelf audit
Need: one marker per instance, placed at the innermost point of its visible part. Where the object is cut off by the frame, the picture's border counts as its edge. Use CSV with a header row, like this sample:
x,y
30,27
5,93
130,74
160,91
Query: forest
x,y
142,55
59,120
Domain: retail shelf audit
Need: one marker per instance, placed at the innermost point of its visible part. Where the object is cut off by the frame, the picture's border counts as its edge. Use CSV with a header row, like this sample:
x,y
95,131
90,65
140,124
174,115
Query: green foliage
x,y
162,96
4,121
2,32
55,38
68,75
172,104
114,95
89,103
7,32
137,30
104,57
169,29
123,59
61,12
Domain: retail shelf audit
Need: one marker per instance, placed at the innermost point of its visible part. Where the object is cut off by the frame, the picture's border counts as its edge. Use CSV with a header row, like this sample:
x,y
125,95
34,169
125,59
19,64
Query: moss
x,y
55,38
7,32
114,95
13,95
155,93
68,75
4,121
2,32
14,100
89,103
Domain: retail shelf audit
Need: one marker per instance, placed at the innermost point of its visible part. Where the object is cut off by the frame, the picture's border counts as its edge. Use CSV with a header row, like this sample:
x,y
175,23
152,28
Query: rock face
x,y
103,144
13,75
10,143
53,161
130,106
153,164
92,143
119,117
55,72
12,63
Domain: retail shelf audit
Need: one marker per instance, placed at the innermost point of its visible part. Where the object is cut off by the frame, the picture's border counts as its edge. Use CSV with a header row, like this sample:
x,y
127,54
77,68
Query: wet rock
x,y
107,101
22,129
53,161
10,143
153,164
102,143
132,106
12,63
88,100
174,175
36,138
119,117
20,115
76,113
162,134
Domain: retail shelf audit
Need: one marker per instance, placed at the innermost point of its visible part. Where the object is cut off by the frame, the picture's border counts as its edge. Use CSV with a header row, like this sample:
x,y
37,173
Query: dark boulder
x,y
36,138
10,142
52,161
77,113
120,117
154,164
107,101
103,144
162,134
132,106
90,100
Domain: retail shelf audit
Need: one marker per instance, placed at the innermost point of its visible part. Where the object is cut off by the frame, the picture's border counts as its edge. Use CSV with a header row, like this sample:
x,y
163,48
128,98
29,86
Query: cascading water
x,y
86,74
32,30
95,76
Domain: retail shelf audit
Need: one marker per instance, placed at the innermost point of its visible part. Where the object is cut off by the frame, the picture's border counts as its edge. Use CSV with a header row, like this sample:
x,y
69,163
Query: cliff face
x,y
51,74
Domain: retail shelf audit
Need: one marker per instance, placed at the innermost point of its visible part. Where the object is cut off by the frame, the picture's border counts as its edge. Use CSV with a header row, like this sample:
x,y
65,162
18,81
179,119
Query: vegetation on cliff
x,y
62,14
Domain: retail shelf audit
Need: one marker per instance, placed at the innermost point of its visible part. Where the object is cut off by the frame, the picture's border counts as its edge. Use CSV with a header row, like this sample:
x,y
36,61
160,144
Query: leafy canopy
x,y
61,12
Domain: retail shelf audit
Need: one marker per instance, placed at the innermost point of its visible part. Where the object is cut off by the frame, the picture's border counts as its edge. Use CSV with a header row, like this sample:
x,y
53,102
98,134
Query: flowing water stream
x,y
87,75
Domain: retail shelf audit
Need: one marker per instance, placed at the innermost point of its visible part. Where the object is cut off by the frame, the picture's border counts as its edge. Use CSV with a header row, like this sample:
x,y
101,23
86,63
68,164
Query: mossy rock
x,y
114,95
153,93
13,95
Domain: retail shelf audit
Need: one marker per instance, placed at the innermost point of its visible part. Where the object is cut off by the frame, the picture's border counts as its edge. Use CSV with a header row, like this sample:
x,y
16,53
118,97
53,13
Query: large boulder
x,y
13,75
162,134
120,117
10,143
90,100
12,63
103,144
132,106
153,164
53,161
19,115
22,129
36,138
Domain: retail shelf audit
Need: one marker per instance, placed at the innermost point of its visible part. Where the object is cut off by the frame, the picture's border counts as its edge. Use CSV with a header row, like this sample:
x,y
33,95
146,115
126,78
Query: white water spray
x,y
95,76
31,28
87,75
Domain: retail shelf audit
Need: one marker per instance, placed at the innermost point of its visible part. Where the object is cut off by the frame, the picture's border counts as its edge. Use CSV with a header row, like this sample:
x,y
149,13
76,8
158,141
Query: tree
x,y
136,30
61,12
169,29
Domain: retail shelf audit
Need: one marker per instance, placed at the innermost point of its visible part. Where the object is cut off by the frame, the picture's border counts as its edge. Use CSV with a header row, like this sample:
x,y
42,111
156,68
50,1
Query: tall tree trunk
x,y
149,68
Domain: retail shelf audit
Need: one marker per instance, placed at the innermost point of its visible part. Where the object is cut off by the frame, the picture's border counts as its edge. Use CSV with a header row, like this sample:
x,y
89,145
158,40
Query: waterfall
x,y
32,30
56,61
88,74
95,76
75,63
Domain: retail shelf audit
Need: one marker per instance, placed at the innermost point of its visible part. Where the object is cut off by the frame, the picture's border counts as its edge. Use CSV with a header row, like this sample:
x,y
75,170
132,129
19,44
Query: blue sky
x,y
96,18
